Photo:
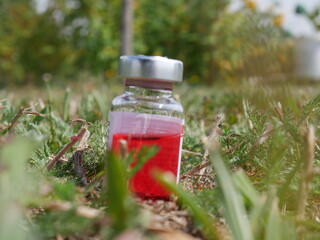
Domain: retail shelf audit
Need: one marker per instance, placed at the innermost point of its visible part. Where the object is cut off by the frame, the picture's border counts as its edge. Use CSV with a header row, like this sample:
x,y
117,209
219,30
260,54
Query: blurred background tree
x,y
75,36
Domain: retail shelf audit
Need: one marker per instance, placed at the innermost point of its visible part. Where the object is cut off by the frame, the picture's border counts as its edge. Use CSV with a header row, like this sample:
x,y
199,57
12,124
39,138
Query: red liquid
x,y
166,159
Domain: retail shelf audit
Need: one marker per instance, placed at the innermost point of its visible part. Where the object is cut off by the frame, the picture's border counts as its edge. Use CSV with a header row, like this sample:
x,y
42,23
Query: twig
x,y
245,110
78,158
79,170
199,175
307,173
232,149
191,152
267,133
230,136
15,119
35,113
205,163
75,120
84,141
74,139
197,168
215,130
211,140
279,111
33,106
41,103
211,143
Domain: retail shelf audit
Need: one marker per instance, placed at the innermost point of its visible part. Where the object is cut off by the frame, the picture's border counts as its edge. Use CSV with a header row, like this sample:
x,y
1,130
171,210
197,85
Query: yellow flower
x,y
252,5
278,20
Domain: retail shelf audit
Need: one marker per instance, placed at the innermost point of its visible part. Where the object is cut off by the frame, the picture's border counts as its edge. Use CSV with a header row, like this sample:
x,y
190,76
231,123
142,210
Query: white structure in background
x,y
307,57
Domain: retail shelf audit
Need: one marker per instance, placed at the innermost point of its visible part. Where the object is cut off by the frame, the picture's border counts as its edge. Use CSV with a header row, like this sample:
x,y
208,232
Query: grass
x,y
257,168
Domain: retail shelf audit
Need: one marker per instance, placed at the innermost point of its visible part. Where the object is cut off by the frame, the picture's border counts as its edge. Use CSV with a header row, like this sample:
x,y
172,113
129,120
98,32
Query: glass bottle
x,y
147,114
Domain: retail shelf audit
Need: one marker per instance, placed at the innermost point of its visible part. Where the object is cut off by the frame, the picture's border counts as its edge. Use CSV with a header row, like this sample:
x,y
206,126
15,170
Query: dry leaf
x,y
59,206
171,235
87,212
129,235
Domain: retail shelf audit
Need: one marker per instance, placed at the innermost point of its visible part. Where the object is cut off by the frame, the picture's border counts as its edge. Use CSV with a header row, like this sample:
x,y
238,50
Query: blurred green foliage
x,y
75,36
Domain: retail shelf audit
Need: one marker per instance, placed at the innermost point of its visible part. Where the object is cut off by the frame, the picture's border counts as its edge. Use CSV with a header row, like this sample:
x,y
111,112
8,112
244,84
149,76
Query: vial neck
x,y
147,88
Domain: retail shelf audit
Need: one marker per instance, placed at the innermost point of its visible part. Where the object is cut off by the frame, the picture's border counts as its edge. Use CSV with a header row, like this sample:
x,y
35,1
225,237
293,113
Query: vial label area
x,y
139,130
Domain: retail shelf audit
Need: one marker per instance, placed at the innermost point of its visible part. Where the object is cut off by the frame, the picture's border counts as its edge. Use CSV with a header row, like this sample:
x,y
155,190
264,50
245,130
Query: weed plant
x,y
256,167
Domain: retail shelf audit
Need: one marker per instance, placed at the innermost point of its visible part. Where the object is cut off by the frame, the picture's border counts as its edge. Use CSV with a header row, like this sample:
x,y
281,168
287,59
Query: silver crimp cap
x,y
150,68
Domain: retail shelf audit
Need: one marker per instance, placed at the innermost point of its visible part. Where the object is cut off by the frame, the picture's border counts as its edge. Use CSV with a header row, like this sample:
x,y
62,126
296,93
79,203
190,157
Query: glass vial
x,y
147,114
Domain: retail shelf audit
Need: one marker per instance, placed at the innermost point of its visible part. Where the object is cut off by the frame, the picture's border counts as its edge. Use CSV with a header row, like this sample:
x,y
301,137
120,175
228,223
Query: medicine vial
x,y
148,115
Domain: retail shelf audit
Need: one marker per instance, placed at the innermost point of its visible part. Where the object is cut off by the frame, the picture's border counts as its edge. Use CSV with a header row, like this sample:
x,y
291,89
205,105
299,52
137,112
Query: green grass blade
x,y
260,213
274,225
243,184
310,224
117,193
234,209
66,101
95,181
16,189
144,155
102,104
199,213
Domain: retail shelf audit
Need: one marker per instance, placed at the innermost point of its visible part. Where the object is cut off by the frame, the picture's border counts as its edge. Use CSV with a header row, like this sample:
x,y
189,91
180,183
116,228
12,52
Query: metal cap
x,y
150,68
